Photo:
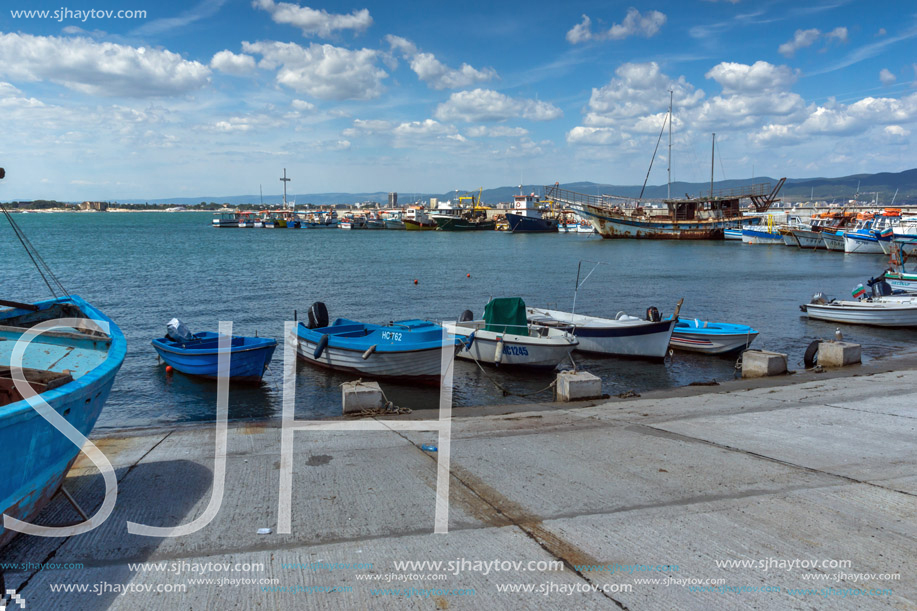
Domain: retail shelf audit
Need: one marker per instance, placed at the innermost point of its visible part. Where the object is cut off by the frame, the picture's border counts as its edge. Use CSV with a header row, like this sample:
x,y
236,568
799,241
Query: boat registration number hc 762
x,y
392,335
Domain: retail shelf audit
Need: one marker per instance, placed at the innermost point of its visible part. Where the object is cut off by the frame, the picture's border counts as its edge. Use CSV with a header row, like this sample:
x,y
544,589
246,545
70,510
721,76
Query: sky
x,y
104,100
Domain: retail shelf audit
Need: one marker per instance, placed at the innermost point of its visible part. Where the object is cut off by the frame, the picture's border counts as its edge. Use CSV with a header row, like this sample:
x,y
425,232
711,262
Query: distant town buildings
x,y
97,206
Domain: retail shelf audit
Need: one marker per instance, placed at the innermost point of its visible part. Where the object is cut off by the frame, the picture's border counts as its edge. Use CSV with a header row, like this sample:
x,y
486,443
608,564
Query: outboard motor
x,y
318,315
881,289
652,314
466,316
177,331
819,299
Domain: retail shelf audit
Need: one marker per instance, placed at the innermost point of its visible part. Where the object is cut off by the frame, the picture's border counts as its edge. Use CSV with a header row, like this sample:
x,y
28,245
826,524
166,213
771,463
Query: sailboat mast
x,y
712,153
669,184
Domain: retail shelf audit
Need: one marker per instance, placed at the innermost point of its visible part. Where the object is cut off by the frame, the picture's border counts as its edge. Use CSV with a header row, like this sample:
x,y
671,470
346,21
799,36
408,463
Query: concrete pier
x,y
718,500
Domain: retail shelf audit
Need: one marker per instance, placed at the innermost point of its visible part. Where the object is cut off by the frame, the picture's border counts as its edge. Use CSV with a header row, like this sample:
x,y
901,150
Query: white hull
x,y
516,350
790,240
706,343
855,245
769,240
907,284
882,313
833,241
421,364
629,336
806,238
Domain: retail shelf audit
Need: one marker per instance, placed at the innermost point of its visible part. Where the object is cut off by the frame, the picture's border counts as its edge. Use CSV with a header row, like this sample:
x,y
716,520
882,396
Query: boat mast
x,y
712,153
669,184
285,180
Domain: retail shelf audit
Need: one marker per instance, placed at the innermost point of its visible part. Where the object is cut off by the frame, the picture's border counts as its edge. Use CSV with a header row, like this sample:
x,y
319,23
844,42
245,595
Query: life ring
x,y
810,358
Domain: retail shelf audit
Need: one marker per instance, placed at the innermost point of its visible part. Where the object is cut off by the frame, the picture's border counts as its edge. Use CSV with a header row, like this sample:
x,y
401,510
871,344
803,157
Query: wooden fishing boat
x,y
72,368
706,337
504,337
409,350
623,335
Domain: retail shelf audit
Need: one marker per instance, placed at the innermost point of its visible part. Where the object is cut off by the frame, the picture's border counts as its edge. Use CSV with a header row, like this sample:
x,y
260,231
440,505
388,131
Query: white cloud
x,y
835,119
104,69
760,76
634,24
496,131
433,72
314,22
806,38
886,77
230,63
802,39
322,71
302,105
489,105
593,135
839,34
637,89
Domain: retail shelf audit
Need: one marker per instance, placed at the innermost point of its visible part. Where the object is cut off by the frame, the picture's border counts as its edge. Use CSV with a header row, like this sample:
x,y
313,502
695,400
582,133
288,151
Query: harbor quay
x,y
779,493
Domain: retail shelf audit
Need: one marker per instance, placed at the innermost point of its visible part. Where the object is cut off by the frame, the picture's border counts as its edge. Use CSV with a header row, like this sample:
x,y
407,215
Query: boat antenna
x,y
668,191
655,150
262,195
578,283
43,268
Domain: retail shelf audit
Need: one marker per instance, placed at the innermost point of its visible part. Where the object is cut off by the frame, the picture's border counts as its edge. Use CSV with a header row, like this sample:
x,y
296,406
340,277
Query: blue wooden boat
x,y
199,356
711,337
409,350
527,217
73,369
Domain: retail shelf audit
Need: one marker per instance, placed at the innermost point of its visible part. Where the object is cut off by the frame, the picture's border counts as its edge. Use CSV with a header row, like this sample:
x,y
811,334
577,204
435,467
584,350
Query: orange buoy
x,y
415,280
168,369
468,275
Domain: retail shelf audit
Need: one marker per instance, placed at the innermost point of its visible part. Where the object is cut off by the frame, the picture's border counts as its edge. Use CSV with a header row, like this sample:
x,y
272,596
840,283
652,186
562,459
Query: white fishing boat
x,y
833,240
503,337
905,235
762,234
888,311
623,335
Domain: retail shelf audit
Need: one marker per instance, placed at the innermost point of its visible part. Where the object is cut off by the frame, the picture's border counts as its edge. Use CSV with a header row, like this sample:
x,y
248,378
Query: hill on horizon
x,y
881,186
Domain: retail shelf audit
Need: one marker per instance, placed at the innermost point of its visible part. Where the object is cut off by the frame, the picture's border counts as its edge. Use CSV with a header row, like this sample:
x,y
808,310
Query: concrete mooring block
x,y
358,395
577,386
761,363
838,354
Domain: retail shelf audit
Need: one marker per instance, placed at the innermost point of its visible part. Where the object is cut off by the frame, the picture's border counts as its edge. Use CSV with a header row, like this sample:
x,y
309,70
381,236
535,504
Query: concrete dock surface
x,y
797,496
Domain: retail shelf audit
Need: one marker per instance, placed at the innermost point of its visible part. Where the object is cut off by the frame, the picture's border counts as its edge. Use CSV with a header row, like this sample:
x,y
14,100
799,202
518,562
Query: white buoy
x,y
498,355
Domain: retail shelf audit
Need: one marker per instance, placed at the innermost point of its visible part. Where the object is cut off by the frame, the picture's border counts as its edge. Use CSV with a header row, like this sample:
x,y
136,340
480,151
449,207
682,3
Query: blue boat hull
x,y
38,456
529,224
246,364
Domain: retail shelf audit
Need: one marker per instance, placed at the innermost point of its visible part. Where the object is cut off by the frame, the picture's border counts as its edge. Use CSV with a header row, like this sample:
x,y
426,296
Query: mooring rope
x,y
40,264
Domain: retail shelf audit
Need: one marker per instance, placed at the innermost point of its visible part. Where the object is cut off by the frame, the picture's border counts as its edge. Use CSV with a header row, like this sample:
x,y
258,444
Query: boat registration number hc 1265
x,y
392,335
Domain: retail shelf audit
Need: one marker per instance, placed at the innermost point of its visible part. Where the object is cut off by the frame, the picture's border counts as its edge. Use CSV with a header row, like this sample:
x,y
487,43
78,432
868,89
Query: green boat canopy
x,y
506,315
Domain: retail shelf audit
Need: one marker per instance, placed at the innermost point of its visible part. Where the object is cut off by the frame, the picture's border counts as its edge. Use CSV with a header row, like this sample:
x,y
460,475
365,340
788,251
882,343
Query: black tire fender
x,y
810,358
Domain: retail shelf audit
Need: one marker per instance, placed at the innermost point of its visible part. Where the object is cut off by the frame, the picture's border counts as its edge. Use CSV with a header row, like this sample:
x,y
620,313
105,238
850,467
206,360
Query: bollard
x,y
761,363
358,396
578,386
838,354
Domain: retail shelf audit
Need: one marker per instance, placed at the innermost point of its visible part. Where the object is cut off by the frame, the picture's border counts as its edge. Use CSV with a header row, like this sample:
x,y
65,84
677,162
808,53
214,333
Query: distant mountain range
x,y
885,184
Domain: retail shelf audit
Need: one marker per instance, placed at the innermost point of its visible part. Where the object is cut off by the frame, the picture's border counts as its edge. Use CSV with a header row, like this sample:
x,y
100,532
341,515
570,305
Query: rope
x,y
388,409
507,392
43,268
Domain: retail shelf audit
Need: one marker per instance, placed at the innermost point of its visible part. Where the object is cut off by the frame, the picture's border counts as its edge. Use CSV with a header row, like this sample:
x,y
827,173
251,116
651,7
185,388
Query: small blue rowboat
x,y
199,356
72,367
406,349
711,337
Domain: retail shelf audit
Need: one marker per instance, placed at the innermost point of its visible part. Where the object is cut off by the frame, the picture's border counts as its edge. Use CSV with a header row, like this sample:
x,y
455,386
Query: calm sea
x,y
142,269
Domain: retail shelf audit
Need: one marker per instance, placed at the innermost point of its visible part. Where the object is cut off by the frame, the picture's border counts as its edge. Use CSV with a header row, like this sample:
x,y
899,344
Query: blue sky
x,y
216,98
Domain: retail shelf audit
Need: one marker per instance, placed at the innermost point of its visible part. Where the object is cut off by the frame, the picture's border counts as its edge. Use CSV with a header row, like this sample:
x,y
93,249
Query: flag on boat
x,y
859,291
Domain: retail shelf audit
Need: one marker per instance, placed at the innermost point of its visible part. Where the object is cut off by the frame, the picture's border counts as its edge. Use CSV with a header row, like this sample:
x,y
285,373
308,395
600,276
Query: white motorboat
x,y
887,311
622,335
503,337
